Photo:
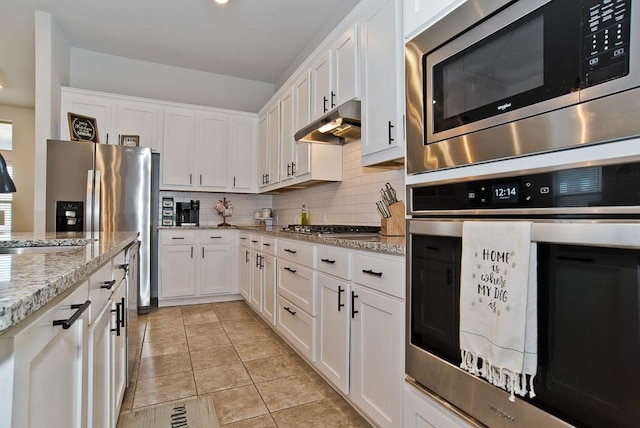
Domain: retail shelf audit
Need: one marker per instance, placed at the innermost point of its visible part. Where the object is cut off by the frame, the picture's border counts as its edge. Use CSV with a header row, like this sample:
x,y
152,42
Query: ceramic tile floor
x,y
226,352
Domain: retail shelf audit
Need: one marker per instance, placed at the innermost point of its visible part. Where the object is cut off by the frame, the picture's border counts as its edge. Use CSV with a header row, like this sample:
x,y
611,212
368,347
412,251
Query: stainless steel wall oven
x,y
586,224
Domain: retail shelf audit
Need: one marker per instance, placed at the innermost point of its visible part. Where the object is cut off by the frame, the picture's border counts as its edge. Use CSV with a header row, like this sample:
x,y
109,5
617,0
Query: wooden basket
x,y
394,225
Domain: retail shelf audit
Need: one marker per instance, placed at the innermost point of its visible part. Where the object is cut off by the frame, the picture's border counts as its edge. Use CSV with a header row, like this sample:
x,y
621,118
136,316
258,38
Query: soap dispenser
x,y
303,215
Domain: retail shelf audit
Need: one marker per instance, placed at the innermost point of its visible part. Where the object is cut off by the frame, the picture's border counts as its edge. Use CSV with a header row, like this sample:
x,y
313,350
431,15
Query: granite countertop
x,y
394,245
29,281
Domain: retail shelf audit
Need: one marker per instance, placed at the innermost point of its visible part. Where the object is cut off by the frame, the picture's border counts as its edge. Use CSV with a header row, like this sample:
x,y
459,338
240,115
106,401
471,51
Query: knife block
x,y
394,225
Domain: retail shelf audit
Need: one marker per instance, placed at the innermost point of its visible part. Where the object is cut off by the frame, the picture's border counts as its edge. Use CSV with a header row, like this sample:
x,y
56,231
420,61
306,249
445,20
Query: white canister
x,y
257,214
266,213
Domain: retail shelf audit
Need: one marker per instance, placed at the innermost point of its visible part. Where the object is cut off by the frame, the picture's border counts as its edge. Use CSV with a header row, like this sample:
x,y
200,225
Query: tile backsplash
x,y
351,201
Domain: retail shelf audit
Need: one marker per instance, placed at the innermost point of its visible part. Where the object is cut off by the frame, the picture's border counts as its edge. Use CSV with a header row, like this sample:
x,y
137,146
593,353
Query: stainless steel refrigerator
x,y
105,188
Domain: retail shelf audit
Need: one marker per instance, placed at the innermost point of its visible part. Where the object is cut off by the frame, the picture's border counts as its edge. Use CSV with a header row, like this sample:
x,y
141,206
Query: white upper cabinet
x,y
141,119
287,163
334,74
87,104
382,81
242,155
269,150
301,118
178,149
212,151
420,14
263,149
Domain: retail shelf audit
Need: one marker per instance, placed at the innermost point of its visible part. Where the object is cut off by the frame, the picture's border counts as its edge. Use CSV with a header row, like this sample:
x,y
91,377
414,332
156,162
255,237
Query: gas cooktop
x,y
338,230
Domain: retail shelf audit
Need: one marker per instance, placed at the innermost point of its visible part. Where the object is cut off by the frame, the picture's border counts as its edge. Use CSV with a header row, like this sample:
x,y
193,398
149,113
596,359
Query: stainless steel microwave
x,y
495,80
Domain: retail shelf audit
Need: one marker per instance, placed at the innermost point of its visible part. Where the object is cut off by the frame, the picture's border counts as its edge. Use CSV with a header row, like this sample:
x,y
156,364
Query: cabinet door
x,y
100,108
273,169
420,14
269,288
263,150
119,347
100,370
211,152
345,68
256,281
381,65
301,118
422,411
377,357
177,271
48,367
142,119
334,326
215,269
321,85
244,262
287,142
242,155
177,148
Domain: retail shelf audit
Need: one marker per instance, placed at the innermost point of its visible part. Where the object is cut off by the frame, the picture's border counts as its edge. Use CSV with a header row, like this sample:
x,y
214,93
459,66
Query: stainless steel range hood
x,y
338,126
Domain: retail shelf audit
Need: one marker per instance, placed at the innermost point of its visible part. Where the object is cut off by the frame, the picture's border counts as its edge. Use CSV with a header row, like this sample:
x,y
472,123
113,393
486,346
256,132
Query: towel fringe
x,y
514,383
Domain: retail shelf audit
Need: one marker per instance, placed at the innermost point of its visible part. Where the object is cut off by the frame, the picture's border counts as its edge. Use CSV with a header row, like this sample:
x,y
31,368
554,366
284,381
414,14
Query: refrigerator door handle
x,y
95,219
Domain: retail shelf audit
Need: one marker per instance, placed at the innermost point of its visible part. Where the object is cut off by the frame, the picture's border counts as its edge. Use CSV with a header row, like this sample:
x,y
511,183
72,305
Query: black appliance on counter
x,y
69,216
188,213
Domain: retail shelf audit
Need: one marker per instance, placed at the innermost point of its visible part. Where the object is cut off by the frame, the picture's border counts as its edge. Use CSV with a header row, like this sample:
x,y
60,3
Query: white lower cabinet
x,y
423,411
244,265
46,363
196,266
377,337
262,295
297,326
100,369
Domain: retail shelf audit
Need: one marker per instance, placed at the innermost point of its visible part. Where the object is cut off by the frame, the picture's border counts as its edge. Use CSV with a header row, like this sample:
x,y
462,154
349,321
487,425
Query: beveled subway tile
x,y
258,349
162,365
264,421
164,322
264,369
237,404
200,317
203,329
319,414
222,377
288,392
164,347
161,389
166,333
214,357
214,340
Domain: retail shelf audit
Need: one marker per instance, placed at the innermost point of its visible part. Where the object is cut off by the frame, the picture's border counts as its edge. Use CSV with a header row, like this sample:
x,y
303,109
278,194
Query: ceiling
x,y
250,39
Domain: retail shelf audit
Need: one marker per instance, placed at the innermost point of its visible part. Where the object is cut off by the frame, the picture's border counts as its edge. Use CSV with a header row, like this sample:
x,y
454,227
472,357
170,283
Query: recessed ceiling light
x,y
1,86
221,1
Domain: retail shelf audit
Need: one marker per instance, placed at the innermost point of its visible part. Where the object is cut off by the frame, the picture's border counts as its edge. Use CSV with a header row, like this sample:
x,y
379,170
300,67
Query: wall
x,y
21,157
52,71
118,75
351,201
243,206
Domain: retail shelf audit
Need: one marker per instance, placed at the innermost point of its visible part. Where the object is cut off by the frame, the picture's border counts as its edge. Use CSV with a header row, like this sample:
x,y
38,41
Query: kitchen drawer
x,y
296,251
383,273
245,240
297,283
298,327
334,261
177,237
101,284
255,241
214,236
269,245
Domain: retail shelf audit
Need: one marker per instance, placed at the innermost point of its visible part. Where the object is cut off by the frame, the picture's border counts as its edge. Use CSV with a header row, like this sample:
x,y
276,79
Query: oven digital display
x,y
504,193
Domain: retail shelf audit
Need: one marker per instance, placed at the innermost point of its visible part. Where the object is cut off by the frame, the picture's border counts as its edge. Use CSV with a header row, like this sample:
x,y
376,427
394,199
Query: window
x,y
6,135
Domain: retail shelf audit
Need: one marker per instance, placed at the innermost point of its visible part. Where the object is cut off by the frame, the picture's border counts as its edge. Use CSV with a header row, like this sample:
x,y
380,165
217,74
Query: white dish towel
x,y
498,304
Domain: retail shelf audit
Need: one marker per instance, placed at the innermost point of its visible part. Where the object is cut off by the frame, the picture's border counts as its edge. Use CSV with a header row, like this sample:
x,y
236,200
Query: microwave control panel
x,y
593,186
605,44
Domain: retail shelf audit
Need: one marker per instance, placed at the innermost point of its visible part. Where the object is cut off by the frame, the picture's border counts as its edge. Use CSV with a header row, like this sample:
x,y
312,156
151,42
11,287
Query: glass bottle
x,y
303,215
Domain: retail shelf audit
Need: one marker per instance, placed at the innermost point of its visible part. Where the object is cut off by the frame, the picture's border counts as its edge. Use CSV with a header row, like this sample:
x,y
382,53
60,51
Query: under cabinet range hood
x,y
338,126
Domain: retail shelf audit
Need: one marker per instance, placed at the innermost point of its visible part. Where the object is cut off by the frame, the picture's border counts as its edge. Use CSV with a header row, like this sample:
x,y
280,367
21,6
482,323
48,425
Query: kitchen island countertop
x,y
29,281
